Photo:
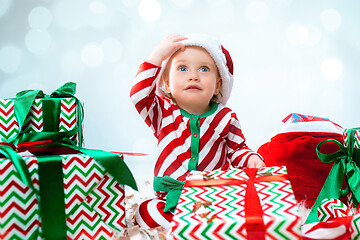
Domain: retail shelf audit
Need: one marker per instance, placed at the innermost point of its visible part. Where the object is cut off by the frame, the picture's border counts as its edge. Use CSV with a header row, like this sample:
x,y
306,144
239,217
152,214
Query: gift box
x,y
33,116
296,117
344,177
237,204
71,195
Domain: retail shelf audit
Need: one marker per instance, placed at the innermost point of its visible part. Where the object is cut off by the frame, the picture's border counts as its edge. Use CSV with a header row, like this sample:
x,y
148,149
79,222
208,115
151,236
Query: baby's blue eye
x,y
182,69
204,69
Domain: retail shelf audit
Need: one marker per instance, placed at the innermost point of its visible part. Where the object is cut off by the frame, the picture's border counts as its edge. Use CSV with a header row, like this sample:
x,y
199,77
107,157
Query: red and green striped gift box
x,y
93,200
34,116
237,204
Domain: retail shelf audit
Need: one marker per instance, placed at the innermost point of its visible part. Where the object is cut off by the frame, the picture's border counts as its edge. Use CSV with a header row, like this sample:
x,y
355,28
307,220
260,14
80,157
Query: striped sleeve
x,y
238,151
143,96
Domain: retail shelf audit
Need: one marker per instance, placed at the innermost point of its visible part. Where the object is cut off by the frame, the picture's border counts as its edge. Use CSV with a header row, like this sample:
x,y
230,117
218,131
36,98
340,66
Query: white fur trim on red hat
x,y
221,57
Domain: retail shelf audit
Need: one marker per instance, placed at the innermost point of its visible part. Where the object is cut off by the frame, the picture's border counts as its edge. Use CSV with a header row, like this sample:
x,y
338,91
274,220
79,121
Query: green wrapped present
x,y
35,116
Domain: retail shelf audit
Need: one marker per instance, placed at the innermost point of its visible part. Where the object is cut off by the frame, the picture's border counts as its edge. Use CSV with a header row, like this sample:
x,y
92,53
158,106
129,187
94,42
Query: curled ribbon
x,y
344,166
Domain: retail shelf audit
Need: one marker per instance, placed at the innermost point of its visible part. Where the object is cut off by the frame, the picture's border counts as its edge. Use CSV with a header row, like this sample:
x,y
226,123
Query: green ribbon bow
x,y
173,188
51,111
344,165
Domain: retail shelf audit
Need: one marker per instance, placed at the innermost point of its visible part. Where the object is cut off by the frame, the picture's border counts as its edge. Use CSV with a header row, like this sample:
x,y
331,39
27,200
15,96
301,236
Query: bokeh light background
x,y
289,56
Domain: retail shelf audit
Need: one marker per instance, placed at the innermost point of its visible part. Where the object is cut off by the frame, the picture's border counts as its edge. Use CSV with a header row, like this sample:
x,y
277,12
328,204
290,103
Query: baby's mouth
x,y
192,87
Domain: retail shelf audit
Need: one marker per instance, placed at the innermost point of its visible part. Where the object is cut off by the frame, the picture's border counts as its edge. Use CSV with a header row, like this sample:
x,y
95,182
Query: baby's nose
x,y
193,76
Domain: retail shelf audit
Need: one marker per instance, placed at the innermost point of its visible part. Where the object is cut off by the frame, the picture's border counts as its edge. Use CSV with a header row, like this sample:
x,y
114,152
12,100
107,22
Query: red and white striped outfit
x,y
187,142
221,138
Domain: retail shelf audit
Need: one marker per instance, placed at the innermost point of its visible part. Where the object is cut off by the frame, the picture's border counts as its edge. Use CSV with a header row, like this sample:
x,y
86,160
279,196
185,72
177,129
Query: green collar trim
x,y
213,108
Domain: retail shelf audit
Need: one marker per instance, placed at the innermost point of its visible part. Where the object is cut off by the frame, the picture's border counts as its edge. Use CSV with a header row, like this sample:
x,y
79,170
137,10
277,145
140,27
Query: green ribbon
x,y
52,197
344,165
51,111
173,188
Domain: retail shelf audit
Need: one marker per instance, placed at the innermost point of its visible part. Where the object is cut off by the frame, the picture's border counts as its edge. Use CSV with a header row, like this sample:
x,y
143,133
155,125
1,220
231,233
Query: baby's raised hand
x,y
255,162
168,45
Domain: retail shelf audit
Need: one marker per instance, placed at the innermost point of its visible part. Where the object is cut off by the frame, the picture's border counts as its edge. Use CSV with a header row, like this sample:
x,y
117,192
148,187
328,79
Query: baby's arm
x,y
143,92
239,153
169,45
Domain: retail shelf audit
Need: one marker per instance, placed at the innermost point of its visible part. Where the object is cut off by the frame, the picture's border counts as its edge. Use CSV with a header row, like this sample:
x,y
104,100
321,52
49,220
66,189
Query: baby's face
x,y
193,79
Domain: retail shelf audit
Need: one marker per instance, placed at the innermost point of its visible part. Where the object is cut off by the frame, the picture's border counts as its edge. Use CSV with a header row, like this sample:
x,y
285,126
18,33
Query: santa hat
x,y
222,60
295,147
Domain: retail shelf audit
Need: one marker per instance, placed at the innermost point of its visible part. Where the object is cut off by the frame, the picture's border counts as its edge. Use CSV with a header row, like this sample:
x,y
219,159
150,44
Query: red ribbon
x,y
131,154
254,222
34,148
21,147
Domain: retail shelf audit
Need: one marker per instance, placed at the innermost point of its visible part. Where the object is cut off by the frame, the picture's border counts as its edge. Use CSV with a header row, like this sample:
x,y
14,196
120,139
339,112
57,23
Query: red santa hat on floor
x,y
295,147
221,57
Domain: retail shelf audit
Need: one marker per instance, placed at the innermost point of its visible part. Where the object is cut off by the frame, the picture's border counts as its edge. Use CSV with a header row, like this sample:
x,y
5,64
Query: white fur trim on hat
x,y
221,57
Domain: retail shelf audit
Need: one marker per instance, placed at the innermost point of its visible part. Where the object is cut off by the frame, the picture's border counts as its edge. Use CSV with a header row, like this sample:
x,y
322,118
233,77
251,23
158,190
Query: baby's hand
x,y
169,44
255,162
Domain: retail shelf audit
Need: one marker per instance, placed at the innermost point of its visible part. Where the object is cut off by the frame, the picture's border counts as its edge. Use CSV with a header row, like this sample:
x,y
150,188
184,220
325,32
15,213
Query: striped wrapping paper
x,y
222,214
94,201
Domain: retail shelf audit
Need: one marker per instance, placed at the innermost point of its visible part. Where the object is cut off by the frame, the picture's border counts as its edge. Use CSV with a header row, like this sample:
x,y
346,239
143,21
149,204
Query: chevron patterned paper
x,y
357,138
19,213
94,201
223,215
34,121
9,126
67,116
331,208
355,227
68,119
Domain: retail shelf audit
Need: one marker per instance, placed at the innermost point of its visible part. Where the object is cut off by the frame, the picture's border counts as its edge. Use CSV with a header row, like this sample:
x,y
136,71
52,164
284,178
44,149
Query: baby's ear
x,y
218,85
165,83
